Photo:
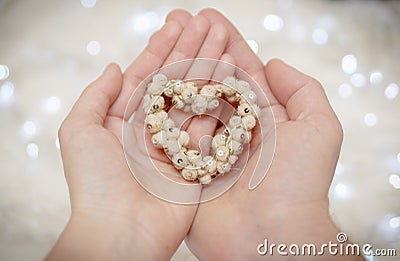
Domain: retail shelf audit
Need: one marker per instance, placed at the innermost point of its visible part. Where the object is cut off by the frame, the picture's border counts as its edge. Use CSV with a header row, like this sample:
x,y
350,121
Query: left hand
x,y
112,215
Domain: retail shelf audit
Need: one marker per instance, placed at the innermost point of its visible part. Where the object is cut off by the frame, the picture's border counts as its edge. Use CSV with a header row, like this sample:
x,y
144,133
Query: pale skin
x,y
114,218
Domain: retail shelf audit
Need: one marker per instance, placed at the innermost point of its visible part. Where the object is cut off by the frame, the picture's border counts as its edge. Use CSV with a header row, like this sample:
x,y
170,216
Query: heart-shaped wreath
x,y
185,95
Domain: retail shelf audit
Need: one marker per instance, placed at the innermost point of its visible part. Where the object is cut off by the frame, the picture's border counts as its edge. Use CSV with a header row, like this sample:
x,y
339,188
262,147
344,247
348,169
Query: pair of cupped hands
x,y
114,218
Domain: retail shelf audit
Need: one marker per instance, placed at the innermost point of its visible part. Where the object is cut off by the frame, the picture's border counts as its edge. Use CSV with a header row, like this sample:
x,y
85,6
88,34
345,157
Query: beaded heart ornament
x,y
185,95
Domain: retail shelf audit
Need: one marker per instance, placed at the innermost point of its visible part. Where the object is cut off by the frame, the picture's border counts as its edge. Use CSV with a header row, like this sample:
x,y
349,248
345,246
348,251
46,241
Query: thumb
x,y
93,104
303,97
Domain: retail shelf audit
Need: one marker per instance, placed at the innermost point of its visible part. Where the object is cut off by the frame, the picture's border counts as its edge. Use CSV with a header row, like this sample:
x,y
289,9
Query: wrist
x,y
102,238
309,224
305,223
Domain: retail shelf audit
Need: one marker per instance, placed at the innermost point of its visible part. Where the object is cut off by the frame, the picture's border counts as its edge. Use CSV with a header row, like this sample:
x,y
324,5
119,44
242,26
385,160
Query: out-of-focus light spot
x,y
58,143
285,3
320,36
88,3
358,80
4,72
93,47
339,169
394,180
388,229
29,129
375,77
6,94
349,64
345,90
273,22
32,150
253,45
391,91
369,257
342,191
52,105
145,22
394,222
370,119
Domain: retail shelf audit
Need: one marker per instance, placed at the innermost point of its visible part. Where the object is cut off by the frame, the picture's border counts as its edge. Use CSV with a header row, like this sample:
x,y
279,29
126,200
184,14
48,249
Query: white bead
x,y
235,122
178,87
239,135
160,78
155,88
244,109
230,81
208,90
222,153
177,101
247,137
156,104
250,97
180,160
169,92
249,122
187,108
199,105
233,98
157,140
242,86
232,159
236,147
171,147
206,179
168,123
218,140
223,167
184,139
171,133
211,165
189,174
193,156
153,123
162,115
228,90
226,132
188,94
213,104
146,103
191,85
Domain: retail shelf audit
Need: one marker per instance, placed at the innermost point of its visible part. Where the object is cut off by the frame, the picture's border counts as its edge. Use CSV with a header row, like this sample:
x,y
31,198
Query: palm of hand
x,y
91,142
284,192
299,188
296,186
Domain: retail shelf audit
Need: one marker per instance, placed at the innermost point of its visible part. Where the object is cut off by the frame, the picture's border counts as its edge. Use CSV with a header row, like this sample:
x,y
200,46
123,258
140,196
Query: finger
x,y
201,126
187,46
152,57
245,58
225,67
302,95
180,16
92,106
212,48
